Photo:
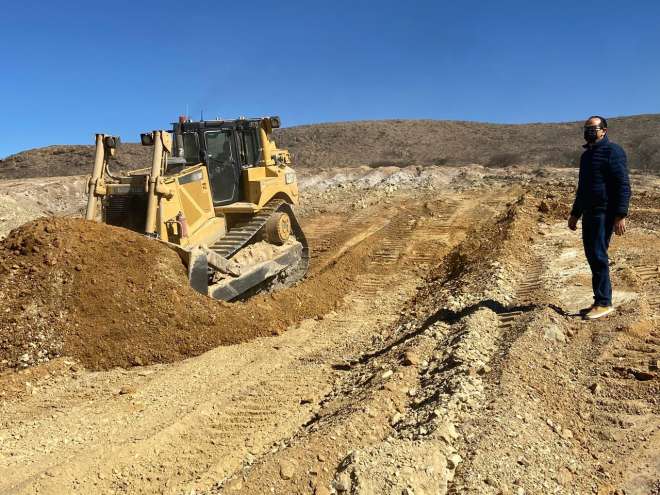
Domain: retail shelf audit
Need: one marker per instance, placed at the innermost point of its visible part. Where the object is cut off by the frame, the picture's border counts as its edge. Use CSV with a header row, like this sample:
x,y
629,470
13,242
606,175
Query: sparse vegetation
x,y
505,160
393,143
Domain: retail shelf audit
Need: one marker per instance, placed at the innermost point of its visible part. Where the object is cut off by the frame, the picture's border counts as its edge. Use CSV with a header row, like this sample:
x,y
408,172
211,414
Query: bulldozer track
x,y
650,276
432,234
525,292
532,281
508,318
242,233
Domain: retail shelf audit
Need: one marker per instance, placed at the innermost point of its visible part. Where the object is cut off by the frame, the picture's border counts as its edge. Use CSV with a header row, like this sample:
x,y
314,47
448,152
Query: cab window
x,y
218,146
191,147
223,170
249,147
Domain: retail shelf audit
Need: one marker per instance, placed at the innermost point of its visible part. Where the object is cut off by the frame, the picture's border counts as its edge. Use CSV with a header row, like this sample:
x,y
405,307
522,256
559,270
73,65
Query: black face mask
x,y
591,134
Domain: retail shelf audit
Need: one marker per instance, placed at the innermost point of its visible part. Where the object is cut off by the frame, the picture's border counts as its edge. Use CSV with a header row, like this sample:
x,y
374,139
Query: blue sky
x,y
70,69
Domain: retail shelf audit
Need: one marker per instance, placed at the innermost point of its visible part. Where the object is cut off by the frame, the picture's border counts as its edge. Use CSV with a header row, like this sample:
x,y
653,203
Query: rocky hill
x,y
392,142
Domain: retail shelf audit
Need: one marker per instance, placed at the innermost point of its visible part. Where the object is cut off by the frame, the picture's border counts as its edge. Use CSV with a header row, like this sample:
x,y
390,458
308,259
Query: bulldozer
x,y
218,192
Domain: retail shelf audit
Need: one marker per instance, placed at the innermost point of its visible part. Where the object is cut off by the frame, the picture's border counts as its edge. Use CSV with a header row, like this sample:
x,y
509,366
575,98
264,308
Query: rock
x,y
484,369
126,389
566,434
447,431
387,374
287,470
564,476
596,388
453,460
320,457
136,361
396,419
554,333
234,486
543,207
410,359
390,387
343,483
78,268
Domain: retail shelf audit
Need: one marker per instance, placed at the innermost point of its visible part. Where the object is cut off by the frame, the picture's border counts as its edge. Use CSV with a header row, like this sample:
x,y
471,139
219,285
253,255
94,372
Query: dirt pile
x,y
110,297
104,295
107,297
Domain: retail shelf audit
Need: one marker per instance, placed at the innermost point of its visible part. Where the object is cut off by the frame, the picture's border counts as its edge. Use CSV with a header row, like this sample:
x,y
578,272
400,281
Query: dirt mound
x,y
95,292
109,297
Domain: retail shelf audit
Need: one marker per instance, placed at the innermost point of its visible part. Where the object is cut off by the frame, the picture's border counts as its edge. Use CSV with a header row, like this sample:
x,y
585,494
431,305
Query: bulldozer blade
x,y
232,288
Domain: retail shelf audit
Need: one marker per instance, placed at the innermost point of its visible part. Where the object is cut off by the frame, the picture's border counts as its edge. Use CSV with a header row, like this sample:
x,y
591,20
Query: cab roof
x,y
240,123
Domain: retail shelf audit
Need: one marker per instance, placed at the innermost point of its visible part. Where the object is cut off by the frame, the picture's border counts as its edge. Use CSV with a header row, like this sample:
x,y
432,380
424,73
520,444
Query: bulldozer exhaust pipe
x,y
265,146
97,172
152,201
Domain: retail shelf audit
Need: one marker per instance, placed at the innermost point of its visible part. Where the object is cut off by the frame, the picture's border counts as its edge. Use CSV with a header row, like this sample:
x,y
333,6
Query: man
x,y
601,200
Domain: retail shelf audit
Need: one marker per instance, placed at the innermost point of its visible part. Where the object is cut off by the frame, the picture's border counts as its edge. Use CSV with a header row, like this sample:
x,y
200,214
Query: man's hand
x,y
620,225
572,222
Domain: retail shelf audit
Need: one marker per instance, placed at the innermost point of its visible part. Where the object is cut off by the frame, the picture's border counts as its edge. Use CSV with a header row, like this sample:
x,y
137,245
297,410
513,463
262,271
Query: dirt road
x,y
454,363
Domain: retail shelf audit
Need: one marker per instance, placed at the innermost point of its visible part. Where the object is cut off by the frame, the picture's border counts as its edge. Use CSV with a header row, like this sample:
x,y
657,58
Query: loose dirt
x,y
108,297
434,348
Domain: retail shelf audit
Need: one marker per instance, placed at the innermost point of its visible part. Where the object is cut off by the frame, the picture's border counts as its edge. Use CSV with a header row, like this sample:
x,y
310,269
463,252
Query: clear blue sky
x,y
70,69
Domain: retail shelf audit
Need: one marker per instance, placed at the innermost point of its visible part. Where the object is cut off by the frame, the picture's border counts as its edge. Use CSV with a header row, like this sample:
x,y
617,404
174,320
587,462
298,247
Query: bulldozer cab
x,y
226,148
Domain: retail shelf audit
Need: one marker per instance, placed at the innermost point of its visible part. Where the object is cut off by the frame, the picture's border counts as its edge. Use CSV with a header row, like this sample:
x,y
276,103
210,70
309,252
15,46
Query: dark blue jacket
x,y
603,184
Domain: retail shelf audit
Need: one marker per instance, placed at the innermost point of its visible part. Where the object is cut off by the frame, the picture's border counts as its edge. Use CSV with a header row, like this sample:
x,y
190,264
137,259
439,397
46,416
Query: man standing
x,y
601,200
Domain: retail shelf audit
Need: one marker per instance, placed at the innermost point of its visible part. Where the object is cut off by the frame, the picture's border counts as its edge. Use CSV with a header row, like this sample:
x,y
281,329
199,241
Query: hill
x,y
392,142
434,142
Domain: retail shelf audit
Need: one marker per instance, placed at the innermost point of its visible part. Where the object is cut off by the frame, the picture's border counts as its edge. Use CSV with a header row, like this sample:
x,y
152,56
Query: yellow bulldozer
x,y
220,193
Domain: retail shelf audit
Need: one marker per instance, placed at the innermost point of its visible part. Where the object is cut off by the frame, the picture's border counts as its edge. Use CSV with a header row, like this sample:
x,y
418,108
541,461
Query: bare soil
x,y
434,348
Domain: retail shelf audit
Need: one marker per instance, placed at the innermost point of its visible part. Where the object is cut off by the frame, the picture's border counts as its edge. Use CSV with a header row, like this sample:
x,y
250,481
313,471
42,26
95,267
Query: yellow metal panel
x,y
263,183
192,197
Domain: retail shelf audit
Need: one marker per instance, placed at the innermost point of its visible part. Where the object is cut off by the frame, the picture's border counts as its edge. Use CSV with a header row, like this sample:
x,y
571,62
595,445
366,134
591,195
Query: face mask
x,y
591,134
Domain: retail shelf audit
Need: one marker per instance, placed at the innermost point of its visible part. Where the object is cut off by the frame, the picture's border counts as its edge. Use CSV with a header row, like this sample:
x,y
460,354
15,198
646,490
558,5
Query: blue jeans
x,y
597,229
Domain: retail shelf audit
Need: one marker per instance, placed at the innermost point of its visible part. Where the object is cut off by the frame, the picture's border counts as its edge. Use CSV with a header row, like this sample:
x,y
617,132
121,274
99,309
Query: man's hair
x,y
603,122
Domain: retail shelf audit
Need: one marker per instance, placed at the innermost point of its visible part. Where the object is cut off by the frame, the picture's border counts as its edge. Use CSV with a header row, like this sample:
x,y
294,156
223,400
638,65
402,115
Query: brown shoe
x,y
598,312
